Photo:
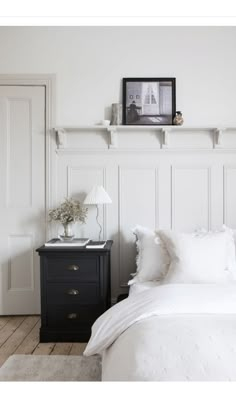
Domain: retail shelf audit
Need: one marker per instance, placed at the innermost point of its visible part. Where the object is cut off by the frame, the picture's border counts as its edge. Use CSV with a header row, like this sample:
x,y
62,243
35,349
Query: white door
x,y
22,196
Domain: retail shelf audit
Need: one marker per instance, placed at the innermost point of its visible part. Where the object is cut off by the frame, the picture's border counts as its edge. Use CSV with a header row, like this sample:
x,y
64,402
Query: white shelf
x,y
114,129
142,127
81,127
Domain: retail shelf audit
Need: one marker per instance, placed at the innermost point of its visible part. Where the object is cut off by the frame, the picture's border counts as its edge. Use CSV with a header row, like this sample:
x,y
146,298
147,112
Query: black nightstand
x,y
75,291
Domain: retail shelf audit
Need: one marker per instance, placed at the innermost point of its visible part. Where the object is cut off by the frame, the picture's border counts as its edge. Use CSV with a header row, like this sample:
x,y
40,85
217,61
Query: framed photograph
x,y
149,101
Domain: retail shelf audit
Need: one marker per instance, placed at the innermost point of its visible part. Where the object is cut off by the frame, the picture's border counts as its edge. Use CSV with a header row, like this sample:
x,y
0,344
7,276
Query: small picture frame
x,y
149,101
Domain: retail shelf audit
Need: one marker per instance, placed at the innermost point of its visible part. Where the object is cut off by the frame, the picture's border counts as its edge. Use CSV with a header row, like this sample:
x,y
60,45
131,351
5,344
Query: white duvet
x,y
169,333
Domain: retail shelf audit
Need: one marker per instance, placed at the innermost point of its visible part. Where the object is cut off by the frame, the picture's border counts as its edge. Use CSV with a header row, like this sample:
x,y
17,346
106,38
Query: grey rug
x,y
51,368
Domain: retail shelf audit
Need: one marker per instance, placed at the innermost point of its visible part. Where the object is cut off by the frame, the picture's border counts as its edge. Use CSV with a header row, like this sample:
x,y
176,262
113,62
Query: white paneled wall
x,y
230,194
182,188
138,200
191,197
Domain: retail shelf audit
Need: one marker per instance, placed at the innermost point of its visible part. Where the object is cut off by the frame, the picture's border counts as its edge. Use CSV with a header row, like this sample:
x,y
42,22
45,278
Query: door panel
x,y
22,192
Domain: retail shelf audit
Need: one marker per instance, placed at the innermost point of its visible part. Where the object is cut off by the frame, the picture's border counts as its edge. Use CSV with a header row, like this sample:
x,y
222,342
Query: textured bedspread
x,y
170,333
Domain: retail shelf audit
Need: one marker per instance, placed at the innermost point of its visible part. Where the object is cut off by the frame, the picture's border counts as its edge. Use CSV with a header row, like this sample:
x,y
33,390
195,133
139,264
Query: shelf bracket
x,y
60,137
218,133
113,137
165,138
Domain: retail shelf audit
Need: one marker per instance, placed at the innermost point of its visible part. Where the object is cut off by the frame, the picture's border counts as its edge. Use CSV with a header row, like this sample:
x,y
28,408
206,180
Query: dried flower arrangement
x,y
70,211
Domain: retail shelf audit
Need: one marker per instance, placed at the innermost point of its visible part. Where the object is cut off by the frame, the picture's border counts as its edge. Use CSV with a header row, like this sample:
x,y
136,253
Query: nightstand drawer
x,y
70,293
71,268
73,315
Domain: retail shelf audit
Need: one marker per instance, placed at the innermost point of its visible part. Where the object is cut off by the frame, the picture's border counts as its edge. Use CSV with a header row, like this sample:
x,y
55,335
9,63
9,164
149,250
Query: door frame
x,y
48,81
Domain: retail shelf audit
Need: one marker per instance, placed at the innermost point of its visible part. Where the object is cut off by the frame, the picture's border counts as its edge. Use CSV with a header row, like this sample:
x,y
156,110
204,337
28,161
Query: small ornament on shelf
x,y
116,114
178,118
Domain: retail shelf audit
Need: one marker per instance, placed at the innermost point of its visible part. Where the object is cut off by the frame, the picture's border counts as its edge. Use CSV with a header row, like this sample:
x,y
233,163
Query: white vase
x,y
116,114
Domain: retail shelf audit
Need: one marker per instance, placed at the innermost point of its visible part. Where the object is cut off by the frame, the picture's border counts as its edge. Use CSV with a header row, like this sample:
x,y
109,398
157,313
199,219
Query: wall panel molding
x,y
229,174
194,195
130,179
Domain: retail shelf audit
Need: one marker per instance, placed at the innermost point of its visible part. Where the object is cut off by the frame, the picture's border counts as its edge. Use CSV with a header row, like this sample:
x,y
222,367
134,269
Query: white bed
x,y
169,333
141,287
181,327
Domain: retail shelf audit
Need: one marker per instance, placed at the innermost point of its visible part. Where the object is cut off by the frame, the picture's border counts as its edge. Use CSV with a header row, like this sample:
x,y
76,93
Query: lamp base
x,y
100,226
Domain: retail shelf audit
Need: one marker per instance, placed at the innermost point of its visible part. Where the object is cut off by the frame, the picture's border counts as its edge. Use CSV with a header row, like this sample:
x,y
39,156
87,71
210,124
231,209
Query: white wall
x,y
189,185
90,62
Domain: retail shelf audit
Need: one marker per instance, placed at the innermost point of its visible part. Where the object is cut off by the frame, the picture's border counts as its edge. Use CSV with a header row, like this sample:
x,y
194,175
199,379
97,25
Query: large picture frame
x,y
149,101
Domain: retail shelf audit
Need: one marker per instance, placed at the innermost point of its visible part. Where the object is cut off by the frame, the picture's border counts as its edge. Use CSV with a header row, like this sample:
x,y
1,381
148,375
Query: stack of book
x,y
76,242
73,242
96,244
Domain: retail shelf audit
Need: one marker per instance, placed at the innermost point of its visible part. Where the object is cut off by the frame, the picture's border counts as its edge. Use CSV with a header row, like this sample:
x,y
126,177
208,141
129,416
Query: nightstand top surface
x,y
44,249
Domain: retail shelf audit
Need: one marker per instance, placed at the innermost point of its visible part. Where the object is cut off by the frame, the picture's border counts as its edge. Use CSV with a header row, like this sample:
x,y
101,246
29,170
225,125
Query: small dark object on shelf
x,y
178,119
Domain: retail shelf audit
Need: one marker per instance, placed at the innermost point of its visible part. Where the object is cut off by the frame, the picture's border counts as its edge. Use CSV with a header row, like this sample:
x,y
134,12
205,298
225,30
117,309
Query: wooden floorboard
x,y
62,348
20,335
44,349
77,349
4,320
9,328
30,342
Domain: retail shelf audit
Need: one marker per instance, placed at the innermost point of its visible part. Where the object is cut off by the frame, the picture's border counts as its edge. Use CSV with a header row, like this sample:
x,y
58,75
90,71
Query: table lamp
x,y
95,197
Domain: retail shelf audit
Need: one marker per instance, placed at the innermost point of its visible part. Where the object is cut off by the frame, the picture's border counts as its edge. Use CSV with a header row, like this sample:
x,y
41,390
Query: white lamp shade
x,y
97,196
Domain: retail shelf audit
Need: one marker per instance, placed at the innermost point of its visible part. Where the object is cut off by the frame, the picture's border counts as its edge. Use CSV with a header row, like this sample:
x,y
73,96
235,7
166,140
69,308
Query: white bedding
x,y
141,287
169,333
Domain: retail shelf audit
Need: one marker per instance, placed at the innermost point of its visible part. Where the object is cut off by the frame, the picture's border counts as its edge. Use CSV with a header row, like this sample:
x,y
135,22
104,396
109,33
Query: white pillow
x,y
233,232
231,257
201,257
152,258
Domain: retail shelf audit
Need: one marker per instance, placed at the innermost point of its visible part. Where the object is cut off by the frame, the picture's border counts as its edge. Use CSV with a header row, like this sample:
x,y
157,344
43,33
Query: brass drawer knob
x,y
72,292
73,267
72,316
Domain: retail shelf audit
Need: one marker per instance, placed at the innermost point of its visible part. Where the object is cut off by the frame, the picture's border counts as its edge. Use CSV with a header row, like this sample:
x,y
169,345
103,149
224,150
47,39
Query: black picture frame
x,y
149,101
